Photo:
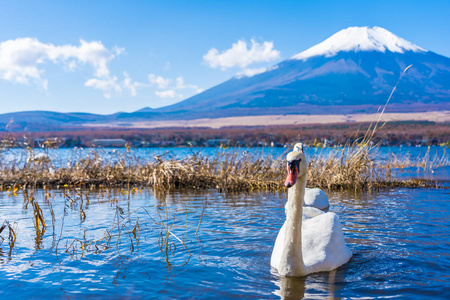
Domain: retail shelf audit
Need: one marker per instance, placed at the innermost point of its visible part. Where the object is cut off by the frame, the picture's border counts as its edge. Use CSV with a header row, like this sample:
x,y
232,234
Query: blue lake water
x,y
63,156
219,245
400,241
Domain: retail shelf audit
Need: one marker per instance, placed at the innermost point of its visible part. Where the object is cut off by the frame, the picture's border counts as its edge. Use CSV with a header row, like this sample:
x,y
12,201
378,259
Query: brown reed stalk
x,y
355,167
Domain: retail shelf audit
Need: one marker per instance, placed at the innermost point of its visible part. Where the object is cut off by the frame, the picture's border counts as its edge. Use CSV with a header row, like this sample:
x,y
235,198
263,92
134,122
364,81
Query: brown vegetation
x,y
355,167
393,133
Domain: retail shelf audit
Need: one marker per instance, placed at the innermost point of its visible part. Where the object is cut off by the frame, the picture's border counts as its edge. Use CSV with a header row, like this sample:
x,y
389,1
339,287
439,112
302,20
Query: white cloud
x,y
170,86
241,56
167,88
22,60
130,85
19,59
109,85
250,72
93,53
161,82
71,66
180,84
118,50
168,94
253,72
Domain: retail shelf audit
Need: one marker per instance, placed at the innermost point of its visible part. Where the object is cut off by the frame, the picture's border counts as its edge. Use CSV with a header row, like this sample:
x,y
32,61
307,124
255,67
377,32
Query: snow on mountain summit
x,y
360,39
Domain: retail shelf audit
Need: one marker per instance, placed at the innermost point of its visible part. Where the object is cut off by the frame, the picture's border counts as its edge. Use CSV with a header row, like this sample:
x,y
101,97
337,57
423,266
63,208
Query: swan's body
x,y
315,197
310,239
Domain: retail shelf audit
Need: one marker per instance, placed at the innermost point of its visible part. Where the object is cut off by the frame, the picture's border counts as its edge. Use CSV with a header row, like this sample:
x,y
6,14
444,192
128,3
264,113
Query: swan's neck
x,y
291,263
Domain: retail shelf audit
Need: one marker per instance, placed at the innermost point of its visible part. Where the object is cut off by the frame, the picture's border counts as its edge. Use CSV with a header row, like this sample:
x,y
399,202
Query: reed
x,y
11,236
357,167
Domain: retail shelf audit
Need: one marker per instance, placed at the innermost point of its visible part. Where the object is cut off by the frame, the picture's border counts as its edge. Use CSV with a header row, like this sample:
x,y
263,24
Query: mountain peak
x,y
360,39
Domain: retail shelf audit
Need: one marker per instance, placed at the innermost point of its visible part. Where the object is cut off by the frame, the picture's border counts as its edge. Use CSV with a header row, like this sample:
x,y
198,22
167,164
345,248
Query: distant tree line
x,y
393,133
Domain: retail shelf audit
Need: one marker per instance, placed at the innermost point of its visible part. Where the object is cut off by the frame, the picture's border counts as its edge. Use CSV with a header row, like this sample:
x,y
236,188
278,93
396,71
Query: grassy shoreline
x,y
350,168
356,168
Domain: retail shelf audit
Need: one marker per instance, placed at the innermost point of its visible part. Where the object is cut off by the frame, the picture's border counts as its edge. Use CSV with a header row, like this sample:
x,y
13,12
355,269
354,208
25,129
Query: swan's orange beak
x,y
291,176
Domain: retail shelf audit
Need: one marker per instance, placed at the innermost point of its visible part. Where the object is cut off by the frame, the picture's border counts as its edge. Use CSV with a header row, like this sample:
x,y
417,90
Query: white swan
x,y
39,159
310,239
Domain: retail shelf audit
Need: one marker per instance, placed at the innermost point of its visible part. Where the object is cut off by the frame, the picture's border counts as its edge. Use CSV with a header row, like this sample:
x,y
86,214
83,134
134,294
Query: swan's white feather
x,y
315,197
323,243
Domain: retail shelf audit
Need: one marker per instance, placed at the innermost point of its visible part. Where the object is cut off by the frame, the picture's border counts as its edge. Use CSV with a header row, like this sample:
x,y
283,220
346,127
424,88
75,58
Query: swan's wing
x,y
323,243
311,212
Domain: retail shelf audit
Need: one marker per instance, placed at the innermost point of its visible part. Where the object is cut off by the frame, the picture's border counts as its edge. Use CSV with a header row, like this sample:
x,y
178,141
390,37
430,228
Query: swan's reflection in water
x,y
290,287
315,286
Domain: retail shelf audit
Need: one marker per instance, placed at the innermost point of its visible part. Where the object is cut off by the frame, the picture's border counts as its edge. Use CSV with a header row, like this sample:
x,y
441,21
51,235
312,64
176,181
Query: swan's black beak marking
x,y
292,168
293,165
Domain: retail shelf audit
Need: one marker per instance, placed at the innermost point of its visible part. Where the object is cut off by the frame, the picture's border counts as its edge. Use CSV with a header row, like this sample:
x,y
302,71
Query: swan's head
x,y
296,165
298,147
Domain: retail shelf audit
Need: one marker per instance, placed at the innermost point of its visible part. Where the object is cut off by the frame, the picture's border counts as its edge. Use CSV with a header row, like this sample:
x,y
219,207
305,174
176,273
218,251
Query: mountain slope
x,y
353,70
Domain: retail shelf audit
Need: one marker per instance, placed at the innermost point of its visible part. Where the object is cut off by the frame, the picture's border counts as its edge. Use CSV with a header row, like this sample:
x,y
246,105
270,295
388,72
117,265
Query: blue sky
x,y
109,56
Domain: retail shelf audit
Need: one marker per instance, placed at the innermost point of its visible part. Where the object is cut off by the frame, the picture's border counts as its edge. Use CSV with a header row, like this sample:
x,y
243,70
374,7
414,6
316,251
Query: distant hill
x,y
38,120
353,71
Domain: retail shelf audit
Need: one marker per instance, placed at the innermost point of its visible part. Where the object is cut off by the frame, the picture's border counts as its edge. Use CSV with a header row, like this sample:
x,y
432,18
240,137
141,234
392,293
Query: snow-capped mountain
x,y
352,71
360,39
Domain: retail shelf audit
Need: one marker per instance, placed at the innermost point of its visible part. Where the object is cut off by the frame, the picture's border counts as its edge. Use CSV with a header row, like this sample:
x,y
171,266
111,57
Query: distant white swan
x,y
310,239
40,158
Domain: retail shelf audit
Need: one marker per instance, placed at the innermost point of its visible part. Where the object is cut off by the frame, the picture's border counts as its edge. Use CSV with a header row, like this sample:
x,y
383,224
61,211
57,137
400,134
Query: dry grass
x,y
122,235
426,162
360,168
224,171
356,167
11,236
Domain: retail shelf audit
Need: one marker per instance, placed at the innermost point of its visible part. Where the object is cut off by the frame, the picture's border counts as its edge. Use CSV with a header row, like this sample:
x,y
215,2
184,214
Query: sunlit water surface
x,y
62,156
400,241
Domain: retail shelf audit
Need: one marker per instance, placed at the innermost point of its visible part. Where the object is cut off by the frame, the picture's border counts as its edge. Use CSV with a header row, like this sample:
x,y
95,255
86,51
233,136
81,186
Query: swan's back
x,y
323,243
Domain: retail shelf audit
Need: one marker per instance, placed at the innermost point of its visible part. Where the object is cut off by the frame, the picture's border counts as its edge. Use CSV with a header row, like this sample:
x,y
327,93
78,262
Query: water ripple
x,y
400,240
